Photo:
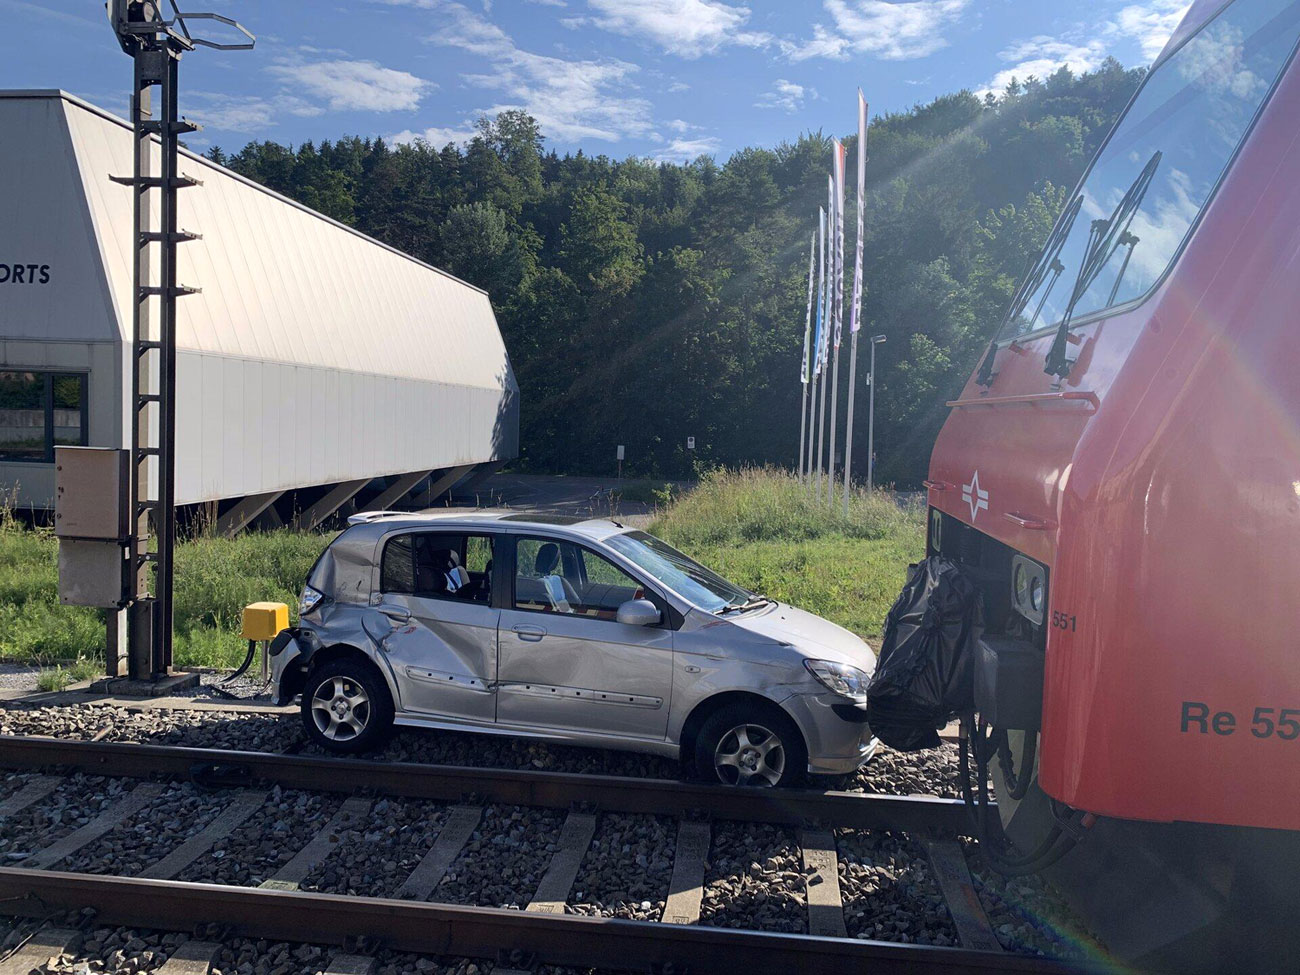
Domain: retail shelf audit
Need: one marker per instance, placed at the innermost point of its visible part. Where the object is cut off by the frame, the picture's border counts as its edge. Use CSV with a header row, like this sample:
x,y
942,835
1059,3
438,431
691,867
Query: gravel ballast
x,y
504,860
1027,914
627,868
73,804
284,823
149,835
888,891
227,730
374,859
755,879
110,950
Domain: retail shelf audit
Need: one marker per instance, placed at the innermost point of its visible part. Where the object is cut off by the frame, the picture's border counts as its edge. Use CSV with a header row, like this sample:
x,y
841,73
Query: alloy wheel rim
x,y
340,709
750,755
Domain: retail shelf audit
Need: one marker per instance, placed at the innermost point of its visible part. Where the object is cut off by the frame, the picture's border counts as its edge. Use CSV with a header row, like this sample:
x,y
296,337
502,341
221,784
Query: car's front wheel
x,y
750,746
346,707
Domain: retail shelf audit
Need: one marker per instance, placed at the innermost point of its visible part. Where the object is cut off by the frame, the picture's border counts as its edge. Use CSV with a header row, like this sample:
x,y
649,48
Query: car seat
x,y
559,591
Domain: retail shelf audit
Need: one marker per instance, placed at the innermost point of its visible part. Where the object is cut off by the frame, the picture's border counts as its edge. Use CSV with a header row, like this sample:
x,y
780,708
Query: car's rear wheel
x,y
346,707
750,746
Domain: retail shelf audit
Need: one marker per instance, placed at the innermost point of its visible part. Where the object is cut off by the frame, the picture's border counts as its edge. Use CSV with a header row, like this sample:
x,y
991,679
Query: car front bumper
x,y
838,737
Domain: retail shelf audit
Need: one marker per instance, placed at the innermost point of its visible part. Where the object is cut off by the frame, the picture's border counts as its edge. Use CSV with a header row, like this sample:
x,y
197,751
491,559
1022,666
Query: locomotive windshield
x,y
1189,117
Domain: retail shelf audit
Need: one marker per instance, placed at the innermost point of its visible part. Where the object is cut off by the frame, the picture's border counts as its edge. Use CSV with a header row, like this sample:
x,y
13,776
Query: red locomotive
x,y
1121,479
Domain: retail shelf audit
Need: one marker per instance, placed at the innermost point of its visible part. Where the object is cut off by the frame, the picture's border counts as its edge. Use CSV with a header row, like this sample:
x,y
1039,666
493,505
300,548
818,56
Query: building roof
x,y
279,282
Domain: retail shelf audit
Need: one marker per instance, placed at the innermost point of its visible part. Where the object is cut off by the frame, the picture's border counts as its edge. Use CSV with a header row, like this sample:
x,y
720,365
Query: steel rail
x,y
555,790
484,932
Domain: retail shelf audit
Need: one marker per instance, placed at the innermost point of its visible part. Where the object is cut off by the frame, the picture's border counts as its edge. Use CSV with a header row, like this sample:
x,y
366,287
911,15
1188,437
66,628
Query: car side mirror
x,y
639,612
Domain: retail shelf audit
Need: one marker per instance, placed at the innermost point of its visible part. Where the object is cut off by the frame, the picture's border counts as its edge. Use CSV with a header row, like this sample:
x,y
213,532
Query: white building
x,y
317,366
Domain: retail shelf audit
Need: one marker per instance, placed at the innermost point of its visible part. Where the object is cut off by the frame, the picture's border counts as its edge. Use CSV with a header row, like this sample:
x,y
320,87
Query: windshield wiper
x,y
1048,262
754,603
1104,239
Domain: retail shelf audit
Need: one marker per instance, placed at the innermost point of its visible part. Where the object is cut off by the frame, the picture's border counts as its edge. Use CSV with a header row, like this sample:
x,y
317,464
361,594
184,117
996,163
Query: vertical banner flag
x,y
828,297
807,321
821,297
838,275
855,311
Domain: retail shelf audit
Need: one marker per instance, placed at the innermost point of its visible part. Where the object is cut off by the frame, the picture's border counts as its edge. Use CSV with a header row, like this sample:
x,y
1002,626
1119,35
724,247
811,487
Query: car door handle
x,y
396,614
530,633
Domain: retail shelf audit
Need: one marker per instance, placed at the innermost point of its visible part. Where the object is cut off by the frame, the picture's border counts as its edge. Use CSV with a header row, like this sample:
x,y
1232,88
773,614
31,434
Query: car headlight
x,y
309,600
842,679
1028,588
936,531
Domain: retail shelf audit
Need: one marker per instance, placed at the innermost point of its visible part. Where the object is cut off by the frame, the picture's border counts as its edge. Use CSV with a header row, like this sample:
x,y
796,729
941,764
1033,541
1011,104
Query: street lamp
x,y
871,415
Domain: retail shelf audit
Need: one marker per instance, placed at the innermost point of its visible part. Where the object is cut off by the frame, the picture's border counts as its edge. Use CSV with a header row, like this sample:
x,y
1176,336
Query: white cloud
x,y
548,3
437,136
891,31
232,113
687,28
687,150
785,95
681,125
677,86
572,100
356,85
1041,56
1150,24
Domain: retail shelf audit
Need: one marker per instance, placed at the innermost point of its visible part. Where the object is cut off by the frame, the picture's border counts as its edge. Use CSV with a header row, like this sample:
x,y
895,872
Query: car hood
x,y
817,638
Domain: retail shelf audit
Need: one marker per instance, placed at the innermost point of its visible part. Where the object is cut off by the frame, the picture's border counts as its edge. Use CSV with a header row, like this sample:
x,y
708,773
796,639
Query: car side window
x,y
438,565
555,576
397,566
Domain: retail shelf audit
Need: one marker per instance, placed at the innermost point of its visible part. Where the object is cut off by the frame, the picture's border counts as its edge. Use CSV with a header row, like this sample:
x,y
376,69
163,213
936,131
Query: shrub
x,y
763,504
761,529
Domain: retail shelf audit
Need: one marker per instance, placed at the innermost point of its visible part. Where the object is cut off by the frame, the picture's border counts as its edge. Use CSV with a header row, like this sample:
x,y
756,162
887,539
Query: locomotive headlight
x,y
1028,588
936,531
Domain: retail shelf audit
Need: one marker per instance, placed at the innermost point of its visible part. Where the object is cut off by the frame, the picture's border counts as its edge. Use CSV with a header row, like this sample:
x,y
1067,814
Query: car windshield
x,y
679,572
1184,125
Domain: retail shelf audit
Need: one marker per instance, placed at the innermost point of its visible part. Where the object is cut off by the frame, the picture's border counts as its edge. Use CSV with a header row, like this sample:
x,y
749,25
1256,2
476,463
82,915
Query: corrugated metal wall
x,y
312,355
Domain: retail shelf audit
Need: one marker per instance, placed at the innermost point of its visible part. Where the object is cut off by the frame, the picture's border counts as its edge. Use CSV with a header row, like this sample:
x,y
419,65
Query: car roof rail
x,y
365,517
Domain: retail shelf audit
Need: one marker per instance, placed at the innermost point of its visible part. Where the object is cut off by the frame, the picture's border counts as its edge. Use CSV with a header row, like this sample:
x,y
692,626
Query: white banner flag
x,y
854,320
828,264
837,275
819,350
807,321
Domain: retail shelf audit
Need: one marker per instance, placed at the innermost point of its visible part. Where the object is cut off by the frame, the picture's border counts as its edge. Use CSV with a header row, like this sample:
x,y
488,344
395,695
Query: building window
x,y
39,410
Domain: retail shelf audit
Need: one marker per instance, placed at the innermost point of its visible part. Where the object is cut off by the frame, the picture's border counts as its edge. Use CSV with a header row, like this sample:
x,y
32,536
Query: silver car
x,y
571,630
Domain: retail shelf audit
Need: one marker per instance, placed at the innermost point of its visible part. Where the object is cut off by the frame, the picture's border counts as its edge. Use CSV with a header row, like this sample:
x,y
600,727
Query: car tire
x,y
759,742
346,707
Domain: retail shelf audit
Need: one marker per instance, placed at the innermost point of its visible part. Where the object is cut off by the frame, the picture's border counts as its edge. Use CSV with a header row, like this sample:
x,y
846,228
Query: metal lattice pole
x,y
156,46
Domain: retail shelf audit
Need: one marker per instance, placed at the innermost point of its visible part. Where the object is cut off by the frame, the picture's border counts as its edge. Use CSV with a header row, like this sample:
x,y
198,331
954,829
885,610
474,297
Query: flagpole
x,y
848,430
803,365
837,306
855,321
835,398
812,405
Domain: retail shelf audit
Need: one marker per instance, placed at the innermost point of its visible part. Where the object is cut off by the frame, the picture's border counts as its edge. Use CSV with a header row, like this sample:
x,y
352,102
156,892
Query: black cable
x,y
248,660
1017,785
993,841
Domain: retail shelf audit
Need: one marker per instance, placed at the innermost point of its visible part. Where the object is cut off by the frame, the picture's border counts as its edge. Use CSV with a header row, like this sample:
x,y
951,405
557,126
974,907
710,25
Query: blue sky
x,y
666,79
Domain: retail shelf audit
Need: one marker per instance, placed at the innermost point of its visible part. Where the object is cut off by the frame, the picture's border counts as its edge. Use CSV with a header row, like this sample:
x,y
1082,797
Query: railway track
x,y
61,874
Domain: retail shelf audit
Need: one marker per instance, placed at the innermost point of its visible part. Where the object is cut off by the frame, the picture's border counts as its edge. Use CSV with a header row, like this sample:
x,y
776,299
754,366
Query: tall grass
x,y
761,528
215,578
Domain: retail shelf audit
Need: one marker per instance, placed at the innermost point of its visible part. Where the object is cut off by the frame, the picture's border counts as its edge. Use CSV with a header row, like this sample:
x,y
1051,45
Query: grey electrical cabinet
x,y
90,521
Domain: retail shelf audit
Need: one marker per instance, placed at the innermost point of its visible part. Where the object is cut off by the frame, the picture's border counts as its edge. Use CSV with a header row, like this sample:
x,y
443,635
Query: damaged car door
x,y
566,660
436,594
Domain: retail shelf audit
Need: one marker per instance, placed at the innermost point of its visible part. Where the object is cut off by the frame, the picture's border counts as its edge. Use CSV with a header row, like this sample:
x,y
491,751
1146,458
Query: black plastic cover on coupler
x,y
1009,684
925,672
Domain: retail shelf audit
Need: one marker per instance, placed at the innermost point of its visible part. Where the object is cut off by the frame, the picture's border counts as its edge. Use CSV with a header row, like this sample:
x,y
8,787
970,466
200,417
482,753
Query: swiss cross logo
x,y
975,496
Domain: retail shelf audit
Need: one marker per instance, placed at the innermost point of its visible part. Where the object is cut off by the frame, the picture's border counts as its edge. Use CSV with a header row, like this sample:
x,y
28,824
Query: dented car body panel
x,y
494,663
